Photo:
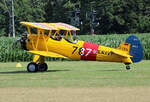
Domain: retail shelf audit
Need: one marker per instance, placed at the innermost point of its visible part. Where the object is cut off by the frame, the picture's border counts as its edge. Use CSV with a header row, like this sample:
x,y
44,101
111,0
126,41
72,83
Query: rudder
x,y
136,49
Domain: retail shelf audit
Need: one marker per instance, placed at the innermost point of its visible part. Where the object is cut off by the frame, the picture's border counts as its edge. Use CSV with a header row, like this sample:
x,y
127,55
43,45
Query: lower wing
x,y
47,54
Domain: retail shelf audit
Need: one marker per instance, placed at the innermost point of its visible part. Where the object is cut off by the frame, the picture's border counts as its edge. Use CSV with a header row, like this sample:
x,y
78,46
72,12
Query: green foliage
x,y
24,10
119,16
57,10
8,53
144,24
31,10
115,16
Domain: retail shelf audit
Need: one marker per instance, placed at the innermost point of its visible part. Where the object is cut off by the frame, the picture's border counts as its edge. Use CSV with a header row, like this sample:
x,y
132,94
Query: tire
x,y
42,67
128,67
32,67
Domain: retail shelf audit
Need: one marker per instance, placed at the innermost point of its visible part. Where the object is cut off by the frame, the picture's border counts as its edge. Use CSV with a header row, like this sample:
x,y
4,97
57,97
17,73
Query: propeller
x,y
22,41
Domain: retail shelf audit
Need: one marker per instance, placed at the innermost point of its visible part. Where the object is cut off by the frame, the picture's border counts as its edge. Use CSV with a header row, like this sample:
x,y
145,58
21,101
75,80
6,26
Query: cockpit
x,y
58,35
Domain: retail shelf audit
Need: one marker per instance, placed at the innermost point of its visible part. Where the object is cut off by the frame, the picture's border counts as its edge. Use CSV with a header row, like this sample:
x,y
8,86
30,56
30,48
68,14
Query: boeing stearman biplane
x,y
56,40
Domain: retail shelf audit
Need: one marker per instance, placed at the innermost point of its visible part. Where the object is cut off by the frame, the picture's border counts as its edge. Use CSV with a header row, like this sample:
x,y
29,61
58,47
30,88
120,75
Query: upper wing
x,y
45,26
48,54
64,26
51,26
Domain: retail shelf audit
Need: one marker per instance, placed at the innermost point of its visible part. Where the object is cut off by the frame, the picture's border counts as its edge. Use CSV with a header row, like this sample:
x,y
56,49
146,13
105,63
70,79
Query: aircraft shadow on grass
x,y
111,70
25,72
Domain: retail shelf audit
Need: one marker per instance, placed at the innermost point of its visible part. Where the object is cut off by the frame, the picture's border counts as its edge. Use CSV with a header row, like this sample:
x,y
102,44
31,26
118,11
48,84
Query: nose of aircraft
x,y
22,41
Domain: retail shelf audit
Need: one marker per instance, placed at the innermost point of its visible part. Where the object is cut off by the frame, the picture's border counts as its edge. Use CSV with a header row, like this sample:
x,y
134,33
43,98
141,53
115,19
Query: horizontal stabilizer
x,y
47,54
121,53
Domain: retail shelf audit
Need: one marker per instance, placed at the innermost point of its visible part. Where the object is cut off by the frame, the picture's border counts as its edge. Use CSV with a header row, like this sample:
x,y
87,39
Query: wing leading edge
x,y
51,26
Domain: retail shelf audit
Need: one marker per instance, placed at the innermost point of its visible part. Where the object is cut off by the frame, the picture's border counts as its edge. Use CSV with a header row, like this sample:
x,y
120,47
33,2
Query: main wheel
x,y
32,67
42,67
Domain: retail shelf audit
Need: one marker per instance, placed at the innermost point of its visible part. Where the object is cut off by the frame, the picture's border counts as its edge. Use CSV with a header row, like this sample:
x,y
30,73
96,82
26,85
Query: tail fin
x,y
124,47
135,48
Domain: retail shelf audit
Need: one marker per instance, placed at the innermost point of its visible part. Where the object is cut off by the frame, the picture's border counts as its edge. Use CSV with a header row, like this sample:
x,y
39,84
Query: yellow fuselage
x,y
78,51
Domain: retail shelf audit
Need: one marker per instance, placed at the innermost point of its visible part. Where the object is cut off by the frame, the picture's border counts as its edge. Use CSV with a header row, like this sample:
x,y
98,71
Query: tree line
x,y
113,16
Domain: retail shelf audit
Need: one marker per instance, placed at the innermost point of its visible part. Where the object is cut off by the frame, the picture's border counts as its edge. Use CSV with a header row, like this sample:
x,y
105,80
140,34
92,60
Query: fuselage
x,y
80,50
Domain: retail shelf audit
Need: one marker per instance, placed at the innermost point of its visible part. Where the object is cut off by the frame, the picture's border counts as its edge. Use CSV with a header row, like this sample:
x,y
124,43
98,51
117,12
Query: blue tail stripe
x,y
136,49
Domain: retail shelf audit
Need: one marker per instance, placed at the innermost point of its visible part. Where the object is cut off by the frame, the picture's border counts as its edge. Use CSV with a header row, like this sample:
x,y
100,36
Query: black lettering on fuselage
x,y
104,52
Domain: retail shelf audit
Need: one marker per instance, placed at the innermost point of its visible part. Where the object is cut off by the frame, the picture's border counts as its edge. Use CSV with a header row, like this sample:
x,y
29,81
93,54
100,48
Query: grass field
x,y
76,81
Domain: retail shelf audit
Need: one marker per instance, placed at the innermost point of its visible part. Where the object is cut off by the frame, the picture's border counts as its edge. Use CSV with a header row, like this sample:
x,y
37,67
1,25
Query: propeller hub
x,y
23,42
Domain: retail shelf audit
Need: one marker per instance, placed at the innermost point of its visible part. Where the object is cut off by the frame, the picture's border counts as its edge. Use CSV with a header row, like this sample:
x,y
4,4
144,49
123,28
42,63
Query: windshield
x,y
56,37
74,41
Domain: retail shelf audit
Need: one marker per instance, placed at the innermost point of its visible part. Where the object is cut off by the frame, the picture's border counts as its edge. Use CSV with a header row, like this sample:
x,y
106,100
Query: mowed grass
x,y
76,81
76,74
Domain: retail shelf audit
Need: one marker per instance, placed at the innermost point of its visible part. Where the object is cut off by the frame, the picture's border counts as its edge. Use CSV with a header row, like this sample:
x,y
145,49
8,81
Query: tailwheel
x,y
32,67
42,67
127,66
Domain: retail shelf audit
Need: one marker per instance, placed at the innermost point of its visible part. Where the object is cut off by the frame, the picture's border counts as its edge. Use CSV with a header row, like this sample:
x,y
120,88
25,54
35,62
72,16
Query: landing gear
x,y
127,66
42,67
32,67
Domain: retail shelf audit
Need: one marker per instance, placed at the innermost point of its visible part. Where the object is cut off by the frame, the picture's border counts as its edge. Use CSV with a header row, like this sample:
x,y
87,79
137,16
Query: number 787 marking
x,y
75,48
89,51
82,51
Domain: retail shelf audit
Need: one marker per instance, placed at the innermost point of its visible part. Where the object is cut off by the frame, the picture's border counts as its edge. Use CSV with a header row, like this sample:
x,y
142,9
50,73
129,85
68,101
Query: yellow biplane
x,y
56,40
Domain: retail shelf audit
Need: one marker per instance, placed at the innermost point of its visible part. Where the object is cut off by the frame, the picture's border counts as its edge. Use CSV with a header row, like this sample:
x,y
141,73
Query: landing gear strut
x,y
127,66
